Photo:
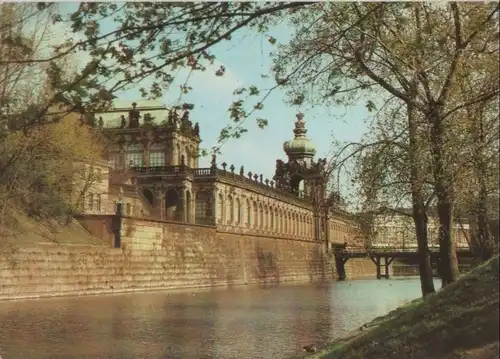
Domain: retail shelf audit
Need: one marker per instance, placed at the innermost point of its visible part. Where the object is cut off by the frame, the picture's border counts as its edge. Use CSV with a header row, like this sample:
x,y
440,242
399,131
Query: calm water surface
x,y
225,323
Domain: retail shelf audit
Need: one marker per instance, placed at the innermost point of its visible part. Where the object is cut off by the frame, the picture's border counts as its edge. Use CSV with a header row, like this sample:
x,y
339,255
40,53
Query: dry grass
x,y
459,322
27,231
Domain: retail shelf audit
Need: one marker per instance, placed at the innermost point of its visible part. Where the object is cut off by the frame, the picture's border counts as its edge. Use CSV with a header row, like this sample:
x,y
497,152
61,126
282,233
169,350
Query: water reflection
x,y
235,323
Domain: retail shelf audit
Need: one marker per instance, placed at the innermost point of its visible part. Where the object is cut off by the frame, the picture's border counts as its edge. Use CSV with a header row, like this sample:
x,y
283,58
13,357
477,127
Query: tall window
x,y
272,219
128,208
156,159
134,159
261,216
90,199
238,211
220,208
230,210
255,215
249,213
202,209
98,202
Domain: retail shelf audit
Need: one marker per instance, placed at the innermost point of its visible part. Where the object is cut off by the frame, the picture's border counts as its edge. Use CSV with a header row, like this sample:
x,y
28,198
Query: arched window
x,y
230,210
249,213
266,217
272,219
128,209
261,216
255,215
220,208
238,211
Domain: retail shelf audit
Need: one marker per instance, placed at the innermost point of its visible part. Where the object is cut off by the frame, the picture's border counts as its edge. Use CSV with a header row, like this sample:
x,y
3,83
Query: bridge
x,y
382,257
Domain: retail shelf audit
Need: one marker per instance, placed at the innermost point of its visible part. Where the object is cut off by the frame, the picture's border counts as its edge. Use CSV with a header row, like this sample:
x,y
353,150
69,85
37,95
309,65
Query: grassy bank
x,y
27,231
461,321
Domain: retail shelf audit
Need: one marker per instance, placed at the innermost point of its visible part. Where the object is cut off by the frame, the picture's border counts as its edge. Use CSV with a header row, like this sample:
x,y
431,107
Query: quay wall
x,y
159,255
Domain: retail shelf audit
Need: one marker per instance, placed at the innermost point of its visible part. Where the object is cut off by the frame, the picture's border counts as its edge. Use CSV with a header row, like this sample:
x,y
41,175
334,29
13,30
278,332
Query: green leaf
x,y
370,106
262,123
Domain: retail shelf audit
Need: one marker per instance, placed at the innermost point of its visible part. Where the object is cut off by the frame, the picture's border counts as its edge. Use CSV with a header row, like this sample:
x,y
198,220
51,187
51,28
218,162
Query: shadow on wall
x,y
318,264
267,272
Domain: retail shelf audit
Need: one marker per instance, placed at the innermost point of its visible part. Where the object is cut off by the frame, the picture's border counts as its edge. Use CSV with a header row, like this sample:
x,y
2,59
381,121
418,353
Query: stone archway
x,y
148,194
297,183
172,204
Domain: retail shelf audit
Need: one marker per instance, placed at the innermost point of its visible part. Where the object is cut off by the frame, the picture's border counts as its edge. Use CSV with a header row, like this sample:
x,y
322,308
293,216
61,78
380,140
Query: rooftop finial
x,y
300,126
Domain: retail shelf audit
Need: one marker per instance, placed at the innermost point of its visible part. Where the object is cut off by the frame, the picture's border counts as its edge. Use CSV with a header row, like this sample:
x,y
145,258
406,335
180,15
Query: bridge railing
x,y
391,249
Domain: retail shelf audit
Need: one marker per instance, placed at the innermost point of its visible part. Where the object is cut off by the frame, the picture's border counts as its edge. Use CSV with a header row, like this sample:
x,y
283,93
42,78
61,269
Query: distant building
x,y
397,229
153,169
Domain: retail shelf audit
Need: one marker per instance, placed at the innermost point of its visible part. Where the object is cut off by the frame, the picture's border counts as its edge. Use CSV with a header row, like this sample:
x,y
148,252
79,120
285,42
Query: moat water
x,y
248,322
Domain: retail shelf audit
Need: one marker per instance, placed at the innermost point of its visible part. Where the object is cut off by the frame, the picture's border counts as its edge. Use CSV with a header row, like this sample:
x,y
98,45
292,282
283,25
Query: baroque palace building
x,y
154,171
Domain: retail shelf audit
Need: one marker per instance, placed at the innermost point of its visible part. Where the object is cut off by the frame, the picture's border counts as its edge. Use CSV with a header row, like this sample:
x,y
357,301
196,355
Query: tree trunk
x,y
483,232
419,215
481,173
447,250
424,262
443,186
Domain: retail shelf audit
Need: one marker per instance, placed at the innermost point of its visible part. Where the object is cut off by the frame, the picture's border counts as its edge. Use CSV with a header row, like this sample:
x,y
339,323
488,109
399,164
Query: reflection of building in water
x,y
154,155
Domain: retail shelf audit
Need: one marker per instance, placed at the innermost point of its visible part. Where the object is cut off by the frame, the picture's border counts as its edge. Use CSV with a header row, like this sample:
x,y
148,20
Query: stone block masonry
x,y
157,255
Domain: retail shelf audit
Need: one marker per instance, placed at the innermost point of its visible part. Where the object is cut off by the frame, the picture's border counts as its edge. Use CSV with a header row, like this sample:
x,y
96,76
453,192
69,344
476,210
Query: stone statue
x,y
101,123
123,122
196,129
213,163
148,119
134,115
280,169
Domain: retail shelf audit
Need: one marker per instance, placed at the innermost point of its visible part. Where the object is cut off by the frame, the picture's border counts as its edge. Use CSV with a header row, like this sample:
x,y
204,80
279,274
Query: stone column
x,y
159,203
122,158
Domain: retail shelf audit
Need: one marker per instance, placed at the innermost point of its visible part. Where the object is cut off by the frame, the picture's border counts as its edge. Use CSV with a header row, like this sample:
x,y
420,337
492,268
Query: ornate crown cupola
x,y
300,149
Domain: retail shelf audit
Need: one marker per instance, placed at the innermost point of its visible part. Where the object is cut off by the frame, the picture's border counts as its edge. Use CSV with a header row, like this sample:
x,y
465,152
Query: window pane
x,y
156,159
134,159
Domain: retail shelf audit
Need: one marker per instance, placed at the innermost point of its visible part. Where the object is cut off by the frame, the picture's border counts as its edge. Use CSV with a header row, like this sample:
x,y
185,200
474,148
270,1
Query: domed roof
x,y
300,146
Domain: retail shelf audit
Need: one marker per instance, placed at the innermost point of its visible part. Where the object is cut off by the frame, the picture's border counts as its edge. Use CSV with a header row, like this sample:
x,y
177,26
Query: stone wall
x,y
163,255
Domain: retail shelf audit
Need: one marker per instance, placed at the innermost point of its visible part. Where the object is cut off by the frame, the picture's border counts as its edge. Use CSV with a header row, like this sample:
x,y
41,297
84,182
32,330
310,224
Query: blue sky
x,y
246,57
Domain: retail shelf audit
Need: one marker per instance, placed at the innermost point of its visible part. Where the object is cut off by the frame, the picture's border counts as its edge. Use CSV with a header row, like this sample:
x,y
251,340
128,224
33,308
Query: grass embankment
x,y
28,231
460,321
